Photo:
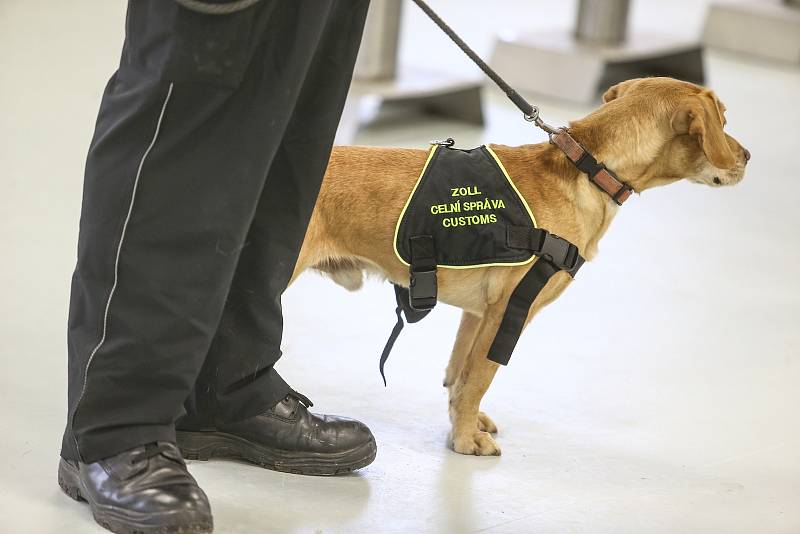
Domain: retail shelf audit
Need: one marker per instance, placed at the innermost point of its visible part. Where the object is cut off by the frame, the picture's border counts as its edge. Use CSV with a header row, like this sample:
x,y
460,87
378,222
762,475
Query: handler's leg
x,y
226,412
173,178
187,130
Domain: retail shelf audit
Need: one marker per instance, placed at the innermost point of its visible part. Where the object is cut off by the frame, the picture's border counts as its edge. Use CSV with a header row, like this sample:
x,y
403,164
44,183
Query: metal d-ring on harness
x,y
555,253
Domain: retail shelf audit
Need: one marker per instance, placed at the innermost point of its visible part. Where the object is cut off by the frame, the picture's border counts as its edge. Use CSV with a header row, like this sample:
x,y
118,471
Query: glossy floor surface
x,y
659,395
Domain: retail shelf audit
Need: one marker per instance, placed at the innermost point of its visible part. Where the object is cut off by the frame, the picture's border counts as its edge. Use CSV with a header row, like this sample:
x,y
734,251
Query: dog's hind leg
x,y
470,433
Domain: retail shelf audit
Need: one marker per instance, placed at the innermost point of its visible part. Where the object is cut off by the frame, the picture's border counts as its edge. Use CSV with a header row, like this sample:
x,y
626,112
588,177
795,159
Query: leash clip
x,y
533,116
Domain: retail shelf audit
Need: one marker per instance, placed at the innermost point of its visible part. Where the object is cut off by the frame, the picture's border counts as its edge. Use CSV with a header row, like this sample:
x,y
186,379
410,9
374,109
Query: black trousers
x,y
208,154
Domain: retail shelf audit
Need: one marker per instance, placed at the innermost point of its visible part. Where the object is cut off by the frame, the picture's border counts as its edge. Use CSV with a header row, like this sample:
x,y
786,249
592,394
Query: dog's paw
x,y
478,443
486,424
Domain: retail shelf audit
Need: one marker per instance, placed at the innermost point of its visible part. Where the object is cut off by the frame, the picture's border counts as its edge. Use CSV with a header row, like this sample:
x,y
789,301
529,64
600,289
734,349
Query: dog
x,y
650,131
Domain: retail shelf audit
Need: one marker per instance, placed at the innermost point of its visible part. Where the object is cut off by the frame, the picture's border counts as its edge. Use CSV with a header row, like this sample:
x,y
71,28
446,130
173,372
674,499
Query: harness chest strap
x,y
555,255
519,304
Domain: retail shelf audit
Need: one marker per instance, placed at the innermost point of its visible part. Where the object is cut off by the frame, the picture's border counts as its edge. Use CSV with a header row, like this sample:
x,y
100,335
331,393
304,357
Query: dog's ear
x,y
700,116
611,93
616,91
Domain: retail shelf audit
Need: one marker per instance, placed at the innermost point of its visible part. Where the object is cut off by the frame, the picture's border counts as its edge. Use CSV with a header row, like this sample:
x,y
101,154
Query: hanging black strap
x,y
419,299
402,297
517,310
556,254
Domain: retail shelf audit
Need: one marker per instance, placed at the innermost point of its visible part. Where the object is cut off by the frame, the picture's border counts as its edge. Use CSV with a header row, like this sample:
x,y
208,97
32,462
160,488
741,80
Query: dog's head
x,y
689,121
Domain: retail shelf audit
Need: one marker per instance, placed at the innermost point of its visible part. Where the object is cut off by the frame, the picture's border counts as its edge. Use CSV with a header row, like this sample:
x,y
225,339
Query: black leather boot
x,y
288,438
146,490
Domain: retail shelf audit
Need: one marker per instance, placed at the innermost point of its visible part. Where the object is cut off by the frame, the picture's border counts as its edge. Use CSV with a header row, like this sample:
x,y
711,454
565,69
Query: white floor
x,y
686,420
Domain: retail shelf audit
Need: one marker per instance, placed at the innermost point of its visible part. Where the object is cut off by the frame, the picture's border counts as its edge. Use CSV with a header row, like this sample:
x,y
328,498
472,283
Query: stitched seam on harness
x,y
116,262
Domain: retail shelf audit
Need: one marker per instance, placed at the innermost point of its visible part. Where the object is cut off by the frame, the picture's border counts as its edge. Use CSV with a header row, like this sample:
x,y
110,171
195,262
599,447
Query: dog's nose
x,y
746,154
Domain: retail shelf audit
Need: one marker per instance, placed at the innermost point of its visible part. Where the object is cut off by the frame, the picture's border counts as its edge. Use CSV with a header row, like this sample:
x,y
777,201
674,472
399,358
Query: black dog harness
x,y
459,210
422,250
465,212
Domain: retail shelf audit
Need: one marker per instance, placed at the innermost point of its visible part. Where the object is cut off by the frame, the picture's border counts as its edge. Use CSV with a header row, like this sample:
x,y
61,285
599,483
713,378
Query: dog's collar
x,y
598,173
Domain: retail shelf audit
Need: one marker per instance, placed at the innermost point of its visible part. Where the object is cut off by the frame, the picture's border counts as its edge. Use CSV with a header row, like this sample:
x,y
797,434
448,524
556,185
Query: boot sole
x,y
219,445
122,521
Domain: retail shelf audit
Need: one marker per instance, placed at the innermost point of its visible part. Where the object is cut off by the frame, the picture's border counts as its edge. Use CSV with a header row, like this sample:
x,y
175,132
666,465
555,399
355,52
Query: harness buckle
x,y
623,193
559,251
422,290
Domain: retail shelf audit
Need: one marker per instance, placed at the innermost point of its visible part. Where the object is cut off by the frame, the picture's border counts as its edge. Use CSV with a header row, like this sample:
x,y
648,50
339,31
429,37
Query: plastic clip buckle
x,y
422,290
559,251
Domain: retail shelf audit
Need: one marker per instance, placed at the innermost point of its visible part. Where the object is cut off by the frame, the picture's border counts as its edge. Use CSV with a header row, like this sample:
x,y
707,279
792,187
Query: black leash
x,y
529,111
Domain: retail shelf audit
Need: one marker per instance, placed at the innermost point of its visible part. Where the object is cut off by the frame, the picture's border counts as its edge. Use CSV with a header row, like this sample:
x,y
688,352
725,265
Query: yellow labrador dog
x,y
650,131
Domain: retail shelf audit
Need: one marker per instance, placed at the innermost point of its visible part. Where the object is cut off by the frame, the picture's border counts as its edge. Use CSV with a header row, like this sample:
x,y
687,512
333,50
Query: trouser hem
x,y
269,392
101,444
243,403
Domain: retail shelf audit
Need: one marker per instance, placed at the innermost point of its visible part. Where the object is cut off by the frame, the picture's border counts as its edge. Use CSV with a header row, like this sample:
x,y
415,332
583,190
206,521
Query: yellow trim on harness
x,y
408,201
510,181
434,148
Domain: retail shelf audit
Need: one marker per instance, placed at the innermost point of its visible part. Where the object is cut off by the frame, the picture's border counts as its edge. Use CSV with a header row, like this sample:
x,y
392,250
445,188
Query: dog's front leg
x,y
465,339
470,384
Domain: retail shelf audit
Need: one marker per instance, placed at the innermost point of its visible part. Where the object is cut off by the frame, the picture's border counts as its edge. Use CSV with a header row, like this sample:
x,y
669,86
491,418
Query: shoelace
x,y
151,450
299,396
